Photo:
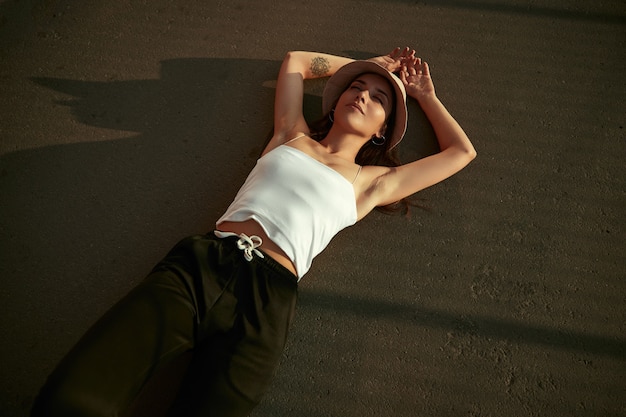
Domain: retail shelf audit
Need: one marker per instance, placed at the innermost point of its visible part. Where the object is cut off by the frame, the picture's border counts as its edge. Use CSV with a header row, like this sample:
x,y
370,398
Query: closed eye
x,y
358,87
380,96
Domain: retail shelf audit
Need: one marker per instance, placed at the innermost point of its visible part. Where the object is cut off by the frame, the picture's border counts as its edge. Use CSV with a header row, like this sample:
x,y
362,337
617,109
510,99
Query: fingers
x,y
421,67
403,74
395,53
411,68
402,54
415,67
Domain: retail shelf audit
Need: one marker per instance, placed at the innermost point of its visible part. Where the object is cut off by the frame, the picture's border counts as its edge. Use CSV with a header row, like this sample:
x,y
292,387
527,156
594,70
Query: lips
x,y
356,106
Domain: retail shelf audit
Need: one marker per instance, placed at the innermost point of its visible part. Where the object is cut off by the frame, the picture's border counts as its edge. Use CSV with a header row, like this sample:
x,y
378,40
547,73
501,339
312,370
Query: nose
x,y
361,96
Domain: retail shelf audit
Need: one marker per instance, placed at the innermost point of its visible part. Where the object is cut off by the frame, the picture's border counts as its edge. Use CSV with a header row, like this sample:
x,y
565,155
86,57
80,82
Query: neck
x,y
344,145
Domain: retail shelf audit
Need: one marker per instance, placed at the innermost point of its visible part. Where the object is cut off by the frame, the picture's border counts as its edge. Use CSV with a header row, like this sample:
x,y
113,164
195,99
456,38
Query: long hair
x,y
371,154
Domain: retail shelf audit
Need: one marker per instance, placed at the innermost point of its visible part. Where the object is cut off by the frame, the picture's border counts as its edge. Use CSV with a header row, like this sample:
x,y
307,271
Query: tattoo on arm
x,y
320,66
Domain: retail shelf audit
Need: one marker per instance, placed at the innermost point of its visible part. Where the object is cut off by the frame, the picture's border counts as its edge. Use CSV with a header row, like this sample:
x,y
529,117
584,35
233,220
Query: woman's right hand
x,y
393,61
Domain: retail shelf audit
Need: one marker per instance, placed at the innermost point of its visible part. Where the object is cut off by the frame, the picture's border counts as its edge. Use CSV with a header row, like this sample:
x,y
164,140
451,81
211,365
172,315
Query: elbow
x,y
295,61
469,151
294,55
466,155
461,155
471,154
289,57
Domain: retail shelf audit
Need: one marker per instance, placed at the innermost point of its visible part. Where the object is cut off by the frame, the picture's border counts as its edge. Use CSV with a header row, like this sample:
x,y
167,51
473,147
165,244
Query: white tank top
x,y
300,203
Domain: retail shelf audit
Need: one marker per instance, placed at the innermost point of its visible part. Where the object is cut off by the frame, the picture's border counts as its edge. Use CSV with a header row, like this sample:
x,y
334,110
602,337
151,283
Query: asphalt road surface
x,y
126,126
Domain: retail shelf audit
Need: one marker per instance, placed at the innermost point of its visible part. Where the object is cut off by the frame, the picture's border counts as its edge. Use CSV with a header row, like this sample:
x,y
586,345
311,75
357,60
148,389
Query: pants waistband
x,y
252,251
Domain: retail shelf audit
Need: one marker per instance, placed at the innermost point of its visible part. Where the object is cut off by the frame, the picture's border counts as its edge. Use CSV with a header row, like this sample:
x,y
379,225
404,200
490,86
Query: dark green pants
x,y
203,296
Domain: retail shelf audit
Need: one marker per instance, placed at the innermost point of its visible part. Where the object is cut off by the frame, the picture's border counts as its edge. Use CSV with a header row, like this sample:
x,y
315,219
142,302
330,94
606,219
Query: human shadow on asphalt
x,y
84,222
79,215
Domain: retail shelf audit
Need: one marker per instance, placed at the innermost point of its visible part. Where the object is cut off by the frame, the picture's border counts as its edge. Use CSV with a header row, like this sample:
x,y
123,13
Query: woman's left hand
x,y
393,61
415,75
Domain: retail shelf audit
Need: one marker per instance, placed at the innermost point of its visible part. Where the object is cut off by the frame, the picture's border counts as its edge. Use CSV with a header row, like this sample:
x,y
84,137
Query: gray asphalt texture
x,y
126,126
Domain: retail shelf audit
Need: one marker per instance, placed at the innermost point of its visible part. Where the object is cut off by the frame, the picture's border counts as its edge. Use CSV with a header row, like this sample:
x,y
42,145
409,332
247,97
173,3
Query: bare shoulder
x,y
282,138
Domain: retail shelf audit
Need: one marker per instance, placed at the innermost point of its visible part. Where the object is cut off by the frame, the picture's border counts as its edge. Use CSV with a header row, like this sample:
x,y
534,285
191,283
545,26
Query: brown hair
x,y
371,154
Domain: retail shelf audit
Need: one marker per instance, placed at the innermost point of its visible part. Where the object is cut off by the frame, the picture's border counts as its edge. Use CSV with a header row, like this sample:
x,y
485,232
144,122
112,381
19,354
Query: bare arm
x,y
456,149
297,67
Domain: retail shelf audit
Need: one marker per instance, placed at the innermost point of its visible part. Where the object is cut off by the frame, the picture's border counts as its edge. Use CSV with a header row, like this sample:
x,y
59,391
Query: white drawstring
x,y
248,244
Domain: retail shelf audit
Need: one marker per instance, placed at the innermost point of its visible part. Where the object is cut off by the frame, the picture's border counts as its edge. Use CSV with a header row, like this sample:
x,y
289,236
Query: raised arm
x,y
456,149
299,66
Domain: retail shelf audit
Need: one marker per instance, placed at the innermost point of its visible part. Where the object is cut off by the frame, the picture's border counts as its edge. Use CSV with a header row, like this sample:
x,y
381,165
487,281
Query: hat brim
x,y
340,80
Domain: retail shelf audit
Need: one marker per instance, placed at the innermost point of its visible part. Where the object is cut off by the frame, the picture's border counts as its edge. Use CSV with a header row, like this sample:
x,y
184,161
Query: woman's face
x,y
365,105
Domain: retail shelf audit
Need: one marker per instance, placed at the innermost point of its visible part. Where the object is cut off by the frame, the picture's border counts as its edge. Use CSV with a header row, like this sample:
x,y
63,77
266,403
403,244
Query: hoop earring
x,y
331,116
379,141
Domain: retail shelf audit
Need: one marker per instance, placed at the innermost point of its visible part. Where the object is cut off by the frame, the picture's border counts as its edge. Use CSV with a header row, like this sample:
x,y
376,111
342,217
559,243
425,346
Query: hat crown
x,y
340,81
